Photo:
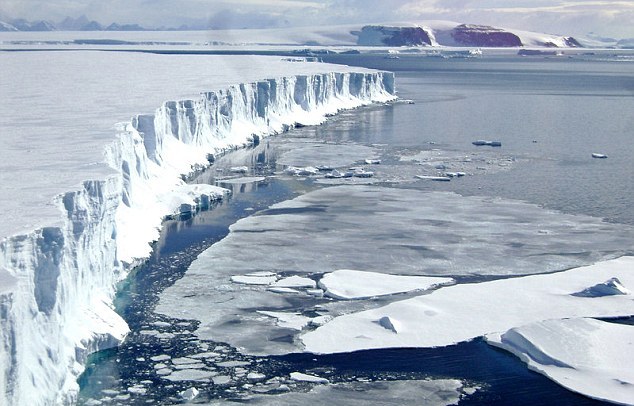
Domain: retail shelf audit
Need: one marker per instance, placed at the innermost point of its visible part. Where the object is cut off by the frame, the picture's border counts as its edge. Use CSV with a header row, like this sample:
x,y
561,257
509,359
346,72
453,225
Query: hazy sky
x,y
575,17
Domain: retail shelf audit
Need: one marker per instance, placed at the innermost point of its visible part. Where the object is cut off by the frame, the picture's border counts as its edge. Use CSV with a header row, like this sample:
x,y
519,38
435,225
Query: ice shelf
x,y
83,196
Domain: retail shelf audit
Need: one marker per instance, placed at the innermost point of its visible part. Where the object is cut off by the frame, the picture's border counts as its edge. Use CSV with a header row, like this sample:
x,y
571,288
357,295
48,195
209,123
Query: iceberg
x,y
85,197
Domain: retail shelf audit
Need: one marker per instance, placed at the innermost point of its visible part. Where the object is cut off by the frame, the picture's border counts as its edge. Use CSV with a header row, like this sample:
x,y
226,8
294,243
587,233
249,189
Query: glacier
x,y
82,206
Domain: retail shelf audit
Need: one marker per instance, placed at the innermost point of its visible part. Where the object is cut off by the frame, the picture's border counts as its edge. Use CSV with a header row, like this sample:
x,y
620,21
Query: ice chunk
x,y
597,155
242,180
233,364
239,169
489,143
283,290
189,375
189,394
301,377
221,380
434,178
295,282
350,284
255,377
301,171
587,356
253,279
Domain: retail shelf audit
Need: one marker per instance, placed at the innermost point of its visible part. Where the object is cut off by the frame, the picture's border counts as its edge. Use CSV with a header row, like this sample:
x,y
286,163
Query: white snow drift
x,y
79,205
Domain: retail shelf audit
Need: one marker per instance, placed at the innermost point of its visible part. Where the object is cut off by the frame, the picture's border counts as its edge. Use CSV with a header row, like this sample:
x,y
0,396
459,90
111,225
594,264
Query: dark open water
x,y
549,113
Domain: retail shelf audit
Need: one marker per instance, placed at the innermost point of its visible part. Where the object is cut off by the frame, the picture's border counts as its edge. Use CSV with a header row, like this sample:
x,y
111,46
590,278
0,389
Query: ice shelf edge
x,y
56,305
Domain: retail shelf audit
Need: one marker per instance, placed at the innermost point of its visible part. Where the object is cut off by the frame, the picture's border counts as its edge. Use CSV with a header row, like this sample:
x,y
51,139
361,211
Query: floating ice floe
x,y
255,278
351,284
301,377
434,178
284,290
239,169
587,356
189,375
301,171
372,161
466,311
597,155
489,143
241,180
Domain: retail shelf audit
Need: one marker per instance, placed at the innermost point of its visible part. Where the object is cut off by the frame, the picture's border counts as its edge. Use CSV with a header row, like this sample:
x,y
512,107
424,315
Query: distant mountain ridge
x,y
432,33
68,24
446,33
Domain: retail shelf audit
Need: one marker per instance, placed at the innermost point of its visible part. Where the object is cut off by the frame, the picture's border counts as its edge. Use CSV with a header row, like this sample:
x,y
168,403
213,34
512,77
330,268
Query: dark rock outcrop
x,y
392,36
484,36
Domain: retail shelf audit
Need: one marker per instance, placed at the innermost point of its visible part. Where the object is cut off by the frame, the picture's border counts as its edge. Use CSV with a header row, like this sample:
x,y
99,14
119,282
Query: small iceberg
x,y
301,377
489,143
239,169
600,156
434,178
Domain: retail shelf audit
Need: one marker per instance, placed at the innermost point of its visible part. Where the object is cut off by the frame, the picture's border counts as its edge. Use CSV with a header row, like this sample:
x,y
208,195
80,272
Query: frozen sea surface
x,y
377,229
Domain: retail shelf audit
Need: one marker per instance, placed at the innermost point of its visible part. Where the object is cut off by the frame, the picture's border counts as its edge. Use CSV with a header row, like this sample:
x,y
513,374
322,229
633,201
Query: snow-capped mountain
x,y
446,33
424,33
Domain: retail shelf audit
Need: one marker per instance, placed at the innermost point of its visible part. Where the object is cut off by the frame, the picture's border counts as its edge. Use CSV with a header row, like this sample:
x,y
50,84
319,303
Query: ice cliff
x,y
57,282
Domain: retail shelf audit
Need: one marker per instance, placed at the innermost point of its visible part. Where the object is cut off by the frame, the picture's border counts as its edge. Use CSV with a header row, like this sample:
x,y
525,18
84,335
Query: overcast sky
x,y
574,17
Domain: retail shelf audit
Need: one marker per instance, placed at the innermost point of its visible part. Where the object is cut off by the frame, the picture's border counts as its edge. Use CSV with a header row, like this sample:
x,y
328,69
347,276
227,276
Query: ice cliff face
x,y
57,283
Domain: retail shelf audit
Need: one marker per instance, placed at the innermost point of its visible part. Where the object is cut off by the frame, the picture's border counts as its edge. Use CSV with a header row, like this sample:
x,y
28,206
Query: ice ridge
x,y
57,282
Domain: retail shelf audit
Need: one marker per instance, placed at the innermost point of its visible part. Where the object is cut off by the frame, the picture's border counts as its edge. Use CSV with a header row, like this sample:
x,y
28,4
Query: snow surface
x,y
79,123
462,312
86,187
587,356
350,284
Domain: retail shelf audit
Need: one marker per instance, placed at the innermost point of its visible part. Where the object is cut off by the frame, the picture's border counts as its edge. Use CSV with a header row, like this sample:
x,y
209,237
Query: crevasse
x,y
57,283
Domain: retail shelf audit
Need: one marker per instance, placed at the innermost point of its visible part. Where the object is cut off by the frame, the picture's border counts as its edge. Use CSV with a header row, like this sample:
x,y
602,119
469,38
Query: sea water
x,y
549,114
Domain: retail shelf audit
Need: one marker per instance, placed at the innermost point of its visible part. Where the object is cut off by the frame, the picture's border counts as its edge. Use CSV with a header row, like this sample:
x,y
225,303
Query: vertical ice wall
x,y
57,283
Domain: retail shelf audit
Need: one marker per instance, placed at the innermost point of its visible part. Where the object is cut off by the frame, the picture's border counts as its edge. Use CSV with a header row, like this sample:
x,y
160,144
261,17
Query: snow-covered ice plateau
x,y
85,188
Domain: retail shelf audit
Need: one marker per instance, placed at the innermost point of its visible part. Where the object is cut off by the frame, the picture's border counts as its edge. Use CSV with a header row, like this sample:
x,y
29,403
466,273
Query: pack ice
x,y
83,196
